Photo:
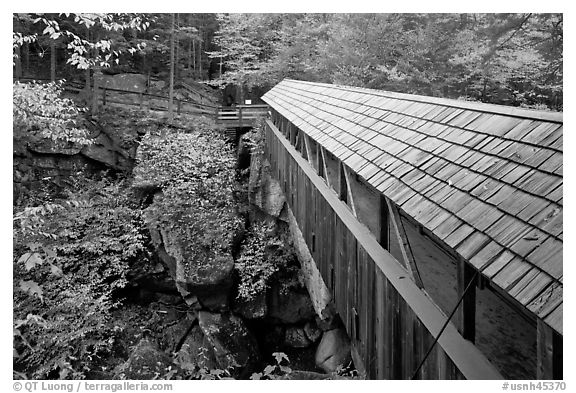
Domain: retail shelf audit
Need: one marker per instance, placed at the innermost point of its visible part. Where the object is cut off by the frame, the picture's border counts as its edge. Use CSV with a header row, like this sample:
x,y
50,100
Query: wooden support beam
x,y
549,352
319,161
351,202
324,168
297,141
384,235
342,186
407,256
467,310
306,140
304,145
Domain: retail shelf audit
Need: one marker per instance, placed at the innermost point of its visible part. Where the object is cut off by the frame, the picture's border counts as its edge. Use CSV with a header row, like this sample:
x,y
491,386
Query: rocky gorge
x,y
214,315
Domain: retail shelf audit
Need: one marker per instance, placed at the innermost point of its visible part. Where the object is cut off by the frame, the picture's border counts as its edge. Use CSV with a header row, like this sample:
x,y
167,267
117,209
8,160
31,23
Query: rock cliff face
x,y
209,279
38,162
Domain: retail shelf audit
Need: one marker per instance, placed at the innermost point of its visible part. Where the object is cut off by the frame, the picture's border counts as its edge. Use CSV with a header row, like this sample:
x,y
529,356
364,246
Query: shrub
x,y
70,258
40,109
263,254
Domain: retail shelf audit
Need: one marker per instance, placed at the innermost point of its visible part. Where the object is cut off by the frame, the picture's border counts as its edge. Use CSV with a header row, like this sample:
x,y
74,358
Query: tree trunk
x,y
17,64
200,45
200,59
87,85
26,56
171,94
97,76
189,55
87,89
176,47
53,60
190,58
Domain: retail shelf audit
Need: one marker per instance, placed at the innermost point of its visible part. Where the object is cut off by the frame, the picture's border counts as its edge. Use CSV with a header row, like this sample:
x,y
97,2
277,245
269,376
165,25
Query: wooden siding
x,y
486,180
391,322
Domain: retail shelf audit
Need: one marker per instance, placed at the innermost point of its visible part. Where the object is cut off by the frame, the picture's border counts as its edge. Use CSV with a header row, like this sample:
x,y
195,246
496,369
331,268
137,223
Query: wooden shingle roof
x,y
484,179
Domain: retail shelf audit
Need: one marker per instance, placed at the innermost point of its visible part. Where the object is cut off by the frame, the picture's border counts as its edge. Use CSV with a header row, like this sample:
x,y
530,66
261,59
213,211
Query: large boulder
x,y
146,361
311,375
234,346
131,82
290,305
263,191
209,280
312,331
254,308
196,352
333,350
174,334
48,146
296,337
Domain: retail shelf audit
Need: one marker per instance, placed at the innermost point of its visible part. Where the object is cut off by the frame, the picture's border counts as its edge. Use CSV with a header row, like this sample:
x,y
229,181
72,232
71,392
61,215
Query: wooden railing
x,y
196,95
150,101
391,322
241,115
230,117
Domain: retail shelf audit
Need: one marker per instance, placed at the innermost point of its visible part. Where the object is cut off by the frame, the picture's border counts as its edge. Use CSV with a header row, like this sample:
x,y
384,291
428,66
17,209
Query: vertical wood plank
x,y
407,350
549,352
416,346
390,338
380,328
467,309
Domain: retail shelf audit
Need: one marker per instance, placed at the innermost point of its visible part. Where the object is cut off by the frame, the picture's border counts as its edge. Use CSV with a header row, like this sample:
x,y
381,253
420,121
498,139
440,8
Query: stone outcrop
x,y
146,361
255,308
296,337
39,162
290,305
312,331
130,82
235,348
311,375
197,351
333,350
264,193
210,280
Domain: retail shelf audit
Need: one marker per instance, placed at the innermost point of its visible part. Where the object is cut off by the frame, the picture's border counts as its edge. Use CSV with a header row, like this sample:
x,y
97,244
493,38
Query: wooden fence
x,y
241,115
149,101
108,96
391,322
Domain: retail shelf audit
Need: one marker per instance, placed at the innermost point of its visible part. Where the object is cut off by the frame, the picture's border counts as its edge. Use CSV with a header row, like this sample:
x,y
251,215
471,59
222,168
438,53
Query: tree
x,y
513,59
93,40
171,102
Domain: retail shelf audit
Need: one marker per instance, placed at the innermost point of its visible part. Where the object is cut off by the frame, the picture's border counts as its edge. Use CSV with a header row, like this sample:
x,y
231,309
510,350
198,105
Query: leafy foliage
x,y
513,59
100,50
40,108
262,255
199,370
275,371
195,170
70,258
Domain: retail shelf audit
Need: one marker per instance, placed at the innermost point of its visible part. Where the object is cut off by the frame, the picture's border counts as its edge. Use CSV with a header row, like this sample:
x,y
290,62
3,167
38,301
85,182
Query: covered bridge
x,y
482,183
